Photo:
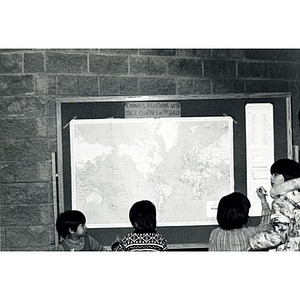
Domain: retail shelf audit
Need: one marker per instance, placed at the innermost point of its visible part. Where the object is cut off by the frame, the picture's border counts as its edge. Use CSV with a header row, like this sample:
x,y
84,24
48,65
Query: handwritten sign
x,y
152,109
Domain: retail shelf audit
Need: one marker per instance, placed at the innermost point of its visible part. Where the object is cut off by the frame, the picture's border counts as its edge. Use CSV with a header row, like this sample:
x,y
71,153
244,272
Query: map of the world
x,y
183,165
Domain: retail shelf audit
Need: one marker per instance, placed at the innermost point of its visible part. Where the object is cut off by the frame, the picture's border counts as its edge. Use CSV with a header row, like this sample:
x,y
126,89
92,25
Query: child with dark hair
x,y
142,216
72,228
285,233
232,216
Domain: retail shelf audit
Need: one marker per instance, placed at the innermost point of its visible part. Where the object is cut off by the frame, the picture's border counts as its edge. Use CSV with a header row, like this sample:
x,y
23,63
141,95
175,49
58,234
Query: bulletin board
x,y
191,107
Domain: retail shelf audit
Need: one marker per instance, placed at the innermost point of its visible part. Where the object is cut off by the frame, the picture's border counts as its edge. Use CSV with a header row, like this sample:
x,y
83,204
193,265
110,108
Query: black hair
x,y
233,210
288,168
142,215
67,220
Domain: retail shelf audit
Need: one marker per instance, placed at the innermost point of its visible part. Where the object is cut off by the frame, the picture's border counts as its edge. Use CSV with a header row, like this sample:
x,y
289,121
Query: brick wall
x,y
31,79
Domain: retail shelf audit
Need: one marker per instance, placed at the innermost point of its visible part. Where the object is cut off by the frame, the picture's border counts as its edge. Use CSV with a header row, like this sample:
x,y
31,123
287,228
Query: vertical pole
x,y
289,128
54,195
59,158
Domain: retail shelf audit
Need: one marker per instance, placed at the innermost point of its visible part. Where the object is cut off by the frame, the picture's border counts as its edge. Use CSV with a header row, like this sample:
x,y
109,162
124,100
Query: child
x,y
71,226
285,234
232,216
142,216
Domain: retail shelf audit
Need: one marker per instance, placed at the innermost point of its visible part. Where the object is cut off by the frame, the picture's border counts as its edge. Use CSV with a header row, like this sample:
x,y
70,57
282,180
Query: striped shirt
x,y
238,239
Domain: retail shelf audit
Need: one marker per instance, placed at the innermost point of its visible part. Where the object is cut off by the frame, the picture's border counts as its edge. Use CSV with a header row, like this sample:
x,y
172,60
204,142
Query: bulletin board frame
x,y
188,237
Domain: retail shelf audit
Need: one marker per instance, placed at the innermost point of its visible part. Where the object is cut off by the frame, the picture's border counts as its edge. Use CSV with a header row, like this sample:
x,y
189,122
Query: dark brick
x,y
202,86
260,54
51,106
219,68
53,145
56,62
28,237
2,238
33,62
228,86
273,54
193,52
12,150
13,106
21,84
51,127
288,55
77,63
36,149
157,86
41,84
7,127
119,51
25,128
41,127
295,90
184,86
25,171
4,86
157,66
10,63
7,171
44,170
72,50
118,65
15,193
109,85
16,84
185,67
185,52
52,83
158,52
99,64
2,195
35,106
139,65
88,85
128,85
252,69
38,193
14,215
227,53
267,86
67,85
283,70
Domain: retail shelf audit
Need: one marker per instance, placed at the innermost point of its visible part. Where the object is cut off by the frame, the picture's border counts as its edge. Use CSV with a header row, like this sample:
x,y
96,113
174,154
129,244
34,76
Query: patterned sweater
x,y
285,233
141,241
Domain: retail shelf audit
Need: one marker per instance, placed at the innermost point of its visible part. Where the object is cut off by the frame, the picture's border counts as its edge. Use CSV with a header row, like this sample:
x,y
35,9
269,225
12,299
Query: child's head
x,y
142,215
69,221
233,210
283,170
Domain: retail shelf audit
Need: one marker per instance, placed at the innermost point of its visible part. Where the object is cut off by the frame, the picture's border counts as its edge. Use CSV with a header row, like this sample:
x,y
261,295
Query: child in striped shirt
x,y
232,216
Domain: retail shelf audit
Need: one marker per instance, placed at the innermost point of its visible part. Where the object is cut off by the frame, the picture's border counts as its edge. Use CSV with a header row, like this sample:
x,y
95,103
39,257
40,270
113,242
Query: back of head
x,y
142,215
70,219
233,210
288,168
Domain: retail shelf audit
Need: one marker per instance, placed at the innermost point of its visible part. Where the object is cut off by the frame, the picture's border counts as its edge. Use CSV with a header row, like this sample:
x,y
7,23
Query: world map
x,y
183,165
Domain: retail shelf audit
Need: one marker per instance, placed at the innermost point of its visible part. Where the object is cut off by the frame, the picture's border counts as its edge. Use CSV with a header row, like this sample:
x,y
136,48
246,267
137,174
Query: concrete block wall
x,y
31,79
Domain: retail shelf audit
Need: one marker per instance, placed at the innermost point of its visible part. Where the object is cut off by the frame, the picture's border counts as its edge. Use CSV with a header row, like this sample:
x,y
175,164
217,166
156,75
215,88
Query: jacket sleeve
x,y
265,214
265,240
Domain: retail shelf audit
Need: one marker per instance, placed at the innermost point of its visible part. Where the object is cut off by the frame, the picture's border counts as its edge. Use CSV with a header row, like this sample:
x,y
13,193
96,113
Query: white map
x,y
183,165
